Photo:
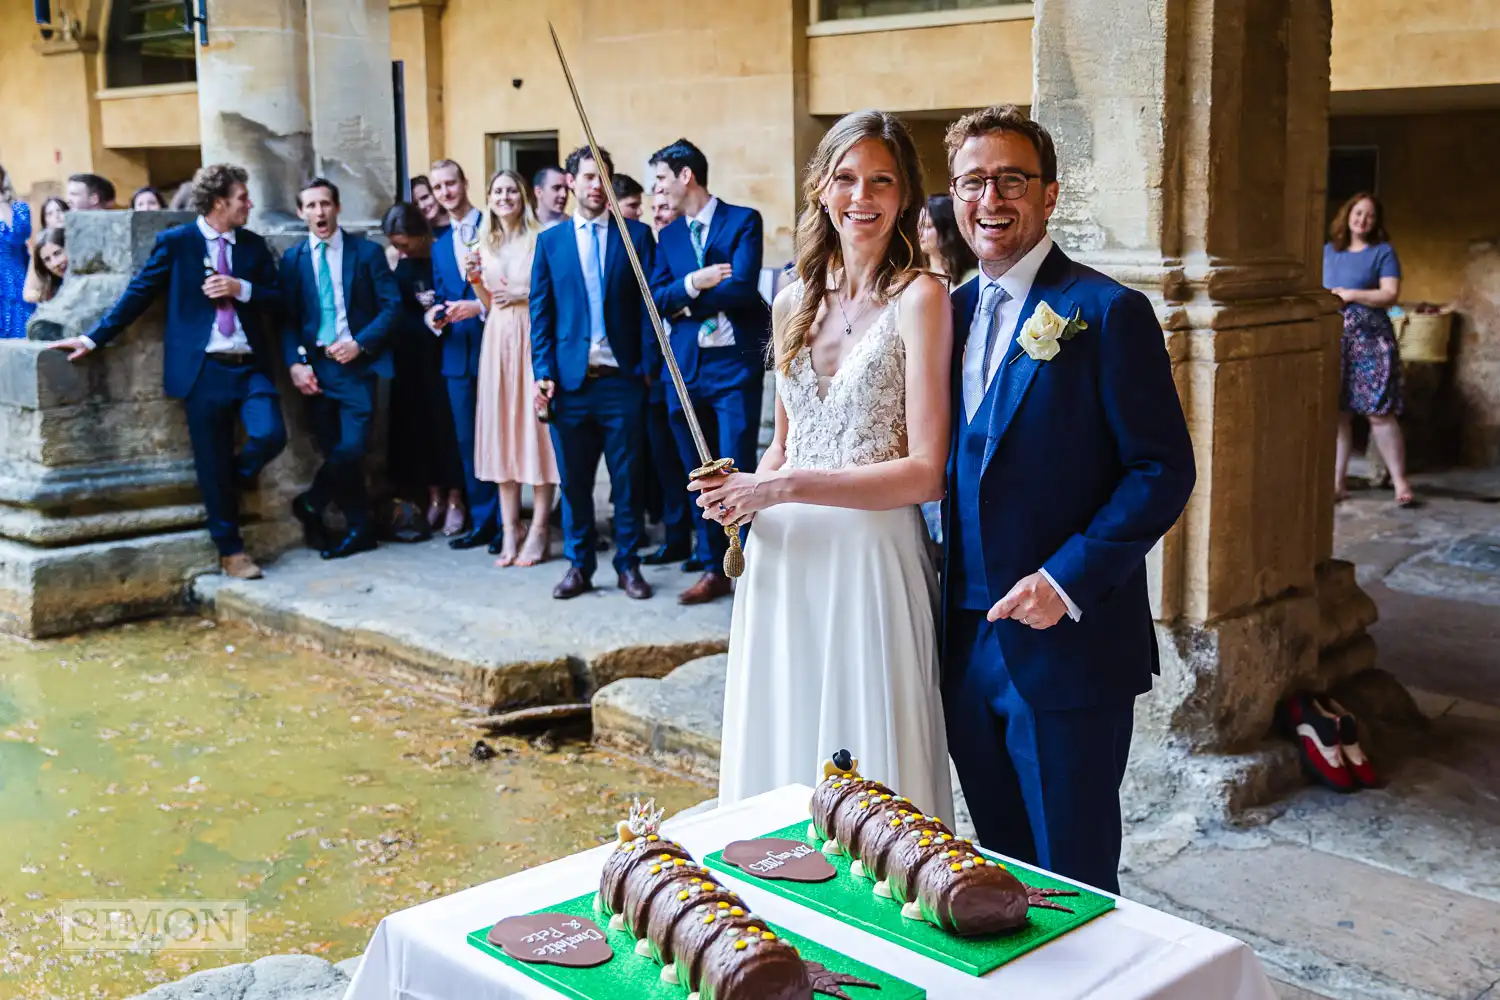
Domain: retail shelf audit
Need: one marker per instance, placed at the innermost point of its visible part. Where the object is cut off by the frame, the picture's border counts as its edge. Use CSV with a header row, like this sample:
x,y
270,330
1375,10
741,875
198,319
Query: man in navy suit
x,y
339,302
1070,459
459,319
219,278
707,285
592,352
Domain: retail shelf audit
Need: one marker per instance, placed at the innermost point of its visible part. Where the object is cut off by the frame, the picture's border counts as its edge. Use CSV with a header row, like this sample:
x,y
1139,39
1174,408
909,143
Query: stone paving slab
x,y
497,635
1336,925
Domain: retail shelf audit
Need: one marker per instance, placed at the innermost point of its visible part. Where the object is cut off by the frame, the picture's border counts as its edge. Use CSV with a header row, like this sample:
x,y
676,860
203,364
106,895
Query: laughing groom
x,y
1070,459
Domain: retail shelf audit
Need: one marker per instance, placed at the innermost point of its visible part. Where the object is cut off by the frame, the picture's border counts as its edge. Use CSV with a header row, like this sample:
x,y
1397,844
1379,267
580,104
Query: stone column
x,y
1192,140
352,109
254,99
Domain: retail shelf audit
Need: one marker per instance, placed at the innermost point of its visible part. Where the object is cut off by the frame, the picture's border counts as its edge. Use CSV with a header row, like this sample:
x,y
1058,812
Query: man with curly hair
x,y
218,278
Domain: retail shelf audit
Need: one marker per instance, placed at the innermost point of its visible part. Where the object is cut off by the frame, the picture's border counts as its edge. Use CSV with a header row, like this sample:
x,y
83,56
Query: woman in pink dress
x,y
511,446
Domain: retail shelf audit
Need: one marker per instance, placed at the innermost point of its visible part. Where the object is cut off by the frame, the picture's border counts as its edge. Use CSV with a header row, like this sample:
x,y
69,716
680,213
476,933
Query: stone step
x,y
675,720
497,637
275,977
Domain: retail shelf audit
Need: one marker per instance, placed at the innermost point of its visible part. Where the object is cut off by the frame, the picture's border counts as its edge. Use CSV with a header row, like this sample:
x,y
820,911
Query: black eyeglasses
x,y
1010,185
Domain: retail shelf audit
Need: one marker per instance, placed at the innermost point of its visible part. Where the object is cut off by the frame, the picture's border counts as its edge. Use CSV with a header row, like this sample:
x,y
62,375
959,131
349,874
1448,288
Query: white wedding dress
x,y
833,643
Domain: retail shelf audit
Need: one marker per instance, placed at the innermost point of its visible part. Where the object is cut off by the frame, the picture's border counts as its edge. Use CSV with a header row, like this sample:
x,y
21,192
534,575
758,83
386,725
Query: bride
x,y
833,641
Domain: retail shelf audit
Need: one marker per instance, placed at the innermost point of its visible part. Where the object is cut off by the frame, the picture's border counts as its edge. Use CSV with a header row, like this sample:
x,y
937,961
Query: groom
x,y
1070,459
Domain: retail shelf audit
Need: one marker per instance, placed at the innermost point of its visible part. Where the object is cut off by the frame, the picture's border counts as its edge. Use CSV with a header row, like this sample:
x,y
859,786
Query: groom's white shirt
x,y
1016,283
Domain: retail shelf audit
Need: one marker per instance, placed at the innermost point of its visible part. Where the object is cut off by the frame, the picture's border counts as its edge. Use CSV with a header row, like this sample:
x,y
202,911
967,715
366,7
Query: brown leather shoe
x,y
710,586
635,585
240,566
573,583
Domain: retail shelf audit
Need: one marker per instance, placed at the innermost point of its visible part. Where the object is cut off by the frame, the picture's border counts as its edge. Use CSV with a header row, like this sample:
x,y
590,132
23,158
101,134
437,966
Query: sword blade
x,y
699,441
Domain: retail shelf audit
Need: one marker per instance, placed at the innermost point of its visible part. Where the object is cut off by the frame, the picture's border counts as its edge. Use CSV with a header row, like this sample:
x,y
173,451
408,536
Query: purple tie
x,y
224,308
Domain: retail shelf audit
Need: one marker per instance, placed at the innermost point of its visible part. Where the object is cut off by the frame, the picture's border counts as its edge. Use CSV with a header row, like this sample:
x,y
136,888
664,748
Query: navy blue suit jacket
x,y
176,265
461,341
734,237
1088,464
560,306
372,305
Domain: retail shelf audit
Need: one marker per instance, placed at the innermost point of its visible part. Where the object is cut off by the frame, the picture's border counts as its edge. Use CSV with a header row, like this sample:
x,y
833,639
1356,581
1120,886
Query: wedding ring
x,y
722,508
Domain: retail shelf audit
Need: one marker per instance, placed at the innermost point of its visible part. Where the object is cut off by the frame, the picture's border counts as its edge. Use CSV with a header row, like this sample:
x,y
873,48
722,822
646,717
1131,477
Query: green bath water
x,y
179,760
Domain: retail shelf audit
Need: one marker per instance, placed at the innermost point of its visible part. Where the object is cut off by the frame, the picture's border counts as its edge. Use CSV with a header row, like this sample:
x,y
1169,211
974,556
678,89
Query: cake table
x,y
422,953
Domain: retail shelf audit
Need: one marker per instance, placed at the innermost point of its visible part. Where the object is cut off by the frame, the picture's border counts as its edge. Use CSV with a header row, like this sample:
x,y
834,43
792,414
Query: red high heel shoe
x,y
1354,757
1317,736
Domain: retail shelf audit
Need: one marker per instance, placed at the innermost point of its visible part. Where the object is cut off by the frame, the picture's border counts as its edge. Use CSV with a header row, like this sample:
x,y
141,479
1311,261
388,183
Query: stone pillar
x,y
353,112
253,100
417,40
1192,139
289,89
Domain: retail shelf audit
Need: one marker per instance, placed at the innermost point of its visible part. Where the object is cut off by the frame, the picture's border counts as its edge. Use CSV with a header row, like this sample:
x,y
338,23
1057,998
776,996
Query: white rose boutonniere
x,y
1042,335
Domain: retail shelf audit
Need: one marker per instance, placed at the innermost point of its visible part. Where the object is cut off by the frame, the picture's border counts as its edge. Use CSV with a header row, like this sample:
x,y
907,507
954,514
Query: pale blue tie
x,y
593,281
328,321
695,229
975,383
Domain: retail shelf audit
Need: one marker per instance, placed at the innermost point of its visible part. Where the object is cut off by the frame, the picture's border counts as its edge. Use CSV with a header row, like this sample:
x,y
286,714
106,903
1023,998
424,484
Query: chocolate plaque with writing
x,y
772,857
552,939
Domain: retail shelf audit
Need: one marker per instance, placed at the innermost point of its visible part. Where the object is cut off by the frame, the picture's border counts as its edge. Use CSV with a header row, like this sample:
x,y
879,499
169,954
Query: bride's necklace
x,y
848,323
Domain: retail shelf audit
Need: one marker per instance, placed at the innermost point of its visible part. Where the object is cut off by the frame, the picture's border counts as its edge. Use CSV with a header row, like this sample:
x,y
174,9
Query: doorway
x,y
523,152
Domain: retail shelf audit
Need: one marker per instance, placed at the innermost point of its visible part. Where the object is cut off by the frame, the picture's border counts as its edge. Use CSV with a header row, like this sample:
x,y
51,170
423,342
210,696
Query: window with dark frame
x,y
148,44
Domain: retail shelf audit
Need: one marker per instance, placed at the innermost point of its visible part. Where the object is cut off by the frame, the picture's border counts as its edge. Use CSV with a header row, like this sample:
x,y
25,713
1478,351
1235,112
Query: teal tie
x,y
695,228
328,322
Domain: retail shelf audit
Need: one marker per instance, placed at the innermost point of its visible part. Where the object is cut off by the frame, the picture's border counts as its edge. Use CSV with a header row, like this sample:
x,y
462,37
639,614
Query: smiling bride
x,y
833,642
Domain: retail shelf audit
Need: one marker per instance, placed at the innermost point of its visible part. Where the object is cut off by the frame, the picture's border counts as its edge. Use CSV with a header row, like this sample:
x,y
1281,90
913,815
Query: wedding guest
x,y
217,357
426,201
512,447
1360,267
15,230
629,193
339,303
90,192
54,213
943,246
458,318
592,349
423,457
49,265
662,212
948,256
549,186
147,199
182,198
707,284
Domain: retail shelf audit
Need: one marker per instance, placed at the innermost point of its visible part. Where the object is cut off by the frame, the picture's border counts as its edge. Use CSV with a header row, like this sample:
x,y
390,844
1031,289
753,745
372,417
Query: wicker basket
x,y
1424,336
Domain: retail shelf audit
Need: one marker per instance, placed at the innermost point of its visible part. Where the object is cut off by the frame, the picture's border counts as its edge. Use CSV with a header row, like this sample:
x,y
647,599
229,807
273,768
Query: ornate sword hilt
x,y
734,558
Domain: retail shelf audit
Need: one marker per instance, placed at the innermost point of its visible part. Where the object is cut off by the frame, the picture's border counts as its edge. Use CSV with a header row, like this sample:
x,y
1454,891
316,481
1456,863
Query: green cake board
x,y
851,899
629,976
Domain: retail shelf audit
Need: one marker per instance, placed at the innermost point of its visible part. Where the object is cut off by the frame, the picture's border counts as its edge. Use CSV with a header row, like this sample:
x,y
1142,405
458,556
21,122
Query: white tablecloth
x,y
1132,952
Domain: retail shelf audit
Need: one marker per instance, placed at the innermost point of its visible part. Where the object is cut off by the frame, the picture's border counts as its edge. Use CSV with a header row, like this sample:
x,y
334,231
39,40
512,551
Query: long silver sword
x,y
734,559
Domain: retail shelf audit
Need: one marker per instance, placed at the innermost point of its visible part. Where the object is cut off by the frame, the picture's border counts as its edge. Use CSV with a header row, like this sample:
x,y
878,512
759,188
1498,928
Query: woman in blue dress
x,y
1360,267
15,230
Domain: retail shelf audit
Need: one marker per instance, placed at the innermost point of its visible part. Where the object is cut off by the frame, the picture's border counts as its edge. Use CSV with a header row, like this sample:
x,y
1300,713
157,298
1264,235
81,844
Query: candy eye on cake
x,y
915,859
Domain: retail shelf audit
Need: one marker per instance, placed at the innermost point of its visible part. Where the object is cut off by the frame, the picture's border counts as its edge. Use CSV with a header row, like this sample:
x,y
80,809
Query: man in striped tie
x,y
707,285
339,302
218,279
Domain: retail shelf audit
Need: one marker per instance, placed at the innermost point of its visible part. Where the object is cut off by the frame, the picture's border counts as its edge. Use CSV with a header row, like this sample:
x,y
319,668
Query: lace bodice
x,y
861,419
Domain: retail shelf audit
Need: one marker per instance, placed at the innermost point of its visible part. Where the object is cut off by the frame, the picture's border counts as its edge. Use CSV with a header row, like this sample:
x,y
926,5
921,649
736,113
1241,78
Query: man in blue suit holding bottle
x,y
1070,460
459,319
219,279
339,301
706,284
593,350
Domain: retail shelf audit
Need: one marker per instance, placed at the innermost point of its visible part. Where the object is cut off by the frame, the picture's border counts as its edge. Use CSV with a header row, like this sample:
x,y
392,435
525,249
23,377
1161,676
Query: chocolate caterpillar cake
x,y
704,936
915,859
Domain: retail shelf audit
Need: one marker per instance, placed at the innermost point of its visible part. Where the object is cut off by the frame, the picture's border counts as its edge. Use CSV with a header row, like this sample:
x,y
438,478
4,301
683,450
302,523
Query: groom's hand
x,y
1033,602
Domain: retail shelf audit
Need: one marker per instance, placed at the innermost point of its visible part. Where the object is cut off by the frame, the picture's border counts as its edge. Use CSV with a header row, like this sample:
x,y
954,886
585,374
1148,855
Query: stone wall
x,y
99,515
1477,358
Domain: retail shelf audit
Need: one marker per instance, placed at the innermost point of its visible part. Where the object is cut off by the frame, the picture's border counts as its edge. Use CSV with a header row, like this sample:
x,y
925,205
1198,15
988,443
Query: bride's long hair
x,y
818,253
